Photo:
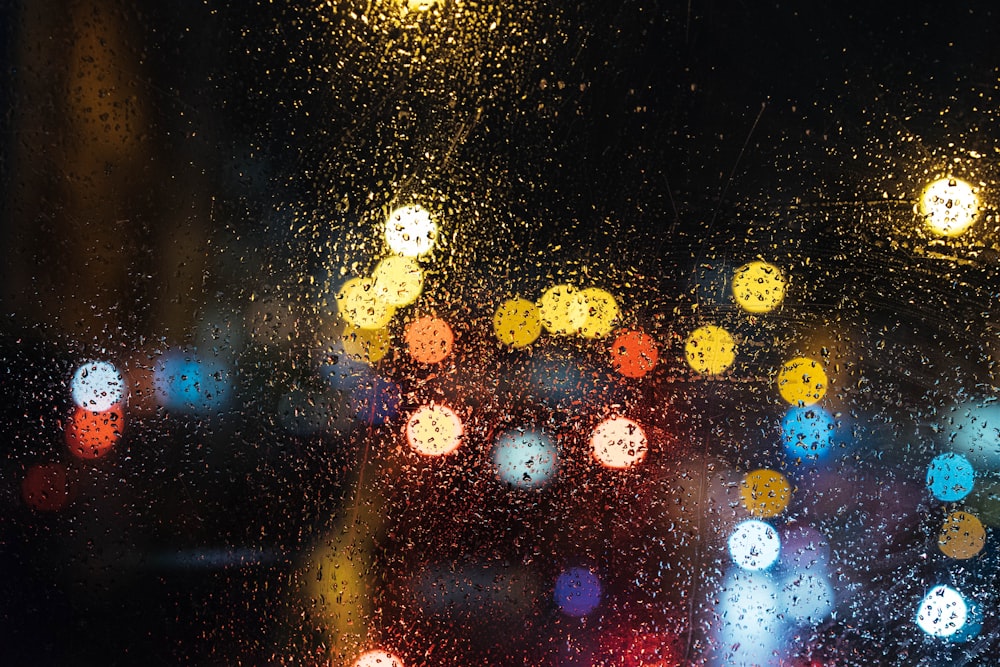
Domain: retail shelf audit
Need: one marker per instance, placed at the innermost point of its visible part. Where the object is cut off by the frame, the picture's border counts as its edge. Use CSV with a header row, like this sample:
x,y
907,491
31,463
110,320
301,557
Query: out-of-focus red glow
x,y
46,487
633,353
627,649
429,339
91,435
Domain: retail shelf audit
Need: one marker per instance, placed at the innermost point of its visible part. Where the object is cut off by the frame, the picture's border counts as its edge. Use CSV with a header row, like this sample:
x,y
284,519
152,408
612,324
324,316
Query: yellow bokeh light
x,y
601,313
434,430
765,493
962,536
802,381
758,287
517,323
410,231
618,443
368,345
361,306
710,350
398,280
563,310
949,206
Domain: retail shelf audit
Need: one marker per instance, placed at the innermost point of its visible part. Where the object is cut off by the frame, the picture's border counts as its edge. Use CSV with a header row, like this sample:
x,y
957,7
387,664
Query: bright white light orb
x,y
754,545
410,231
618,443
949,206
942,612
525,459
97,385
377,658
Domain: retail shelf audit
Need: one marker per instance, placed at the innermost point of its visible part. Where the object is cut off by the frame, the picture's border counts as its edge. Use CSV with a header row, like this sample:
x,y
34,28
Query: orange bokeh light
x,y
633,353
429,339
46,487
91,435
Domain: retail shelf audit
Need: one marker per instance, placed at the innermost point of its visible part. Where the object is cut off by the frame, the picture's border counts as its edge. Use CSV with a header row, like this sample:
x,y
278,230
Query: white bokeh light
x,y
97,385
410,231
942,612
754,545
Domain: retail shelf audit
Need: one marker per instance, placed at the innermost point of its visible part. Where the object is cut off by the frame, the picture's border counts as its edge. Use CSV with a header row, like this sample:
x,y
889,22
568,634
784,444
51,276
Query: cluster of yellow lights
x,y
949,206
562,310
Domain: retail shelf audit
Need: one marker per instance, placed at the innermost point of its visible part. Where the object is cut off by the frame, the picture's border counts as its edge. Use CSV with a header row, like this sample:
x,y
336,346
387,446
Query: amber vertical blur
x,y
88,220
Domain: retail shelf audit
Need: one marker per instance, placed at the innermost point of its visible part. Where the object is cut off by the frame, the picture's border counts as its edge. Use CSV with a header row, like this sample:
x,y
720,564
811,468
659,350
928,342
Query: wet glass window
x,y
405,333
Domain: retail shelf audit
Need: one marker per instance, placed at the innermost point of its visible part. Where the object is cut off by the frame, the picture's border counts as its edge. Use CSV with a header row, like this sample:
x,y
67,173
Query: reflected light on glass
x,y
377,658
950,477
517,323
942,612
525,459
710,350
97,385
765,493
808,432
563,310
429,340
962,536
949,206
618,443
748,611
806,599
802,381
754,545
577,591
601,313
633,353
45,487
410,231
758,287
398,280
360,305
434,430
91,435
977,434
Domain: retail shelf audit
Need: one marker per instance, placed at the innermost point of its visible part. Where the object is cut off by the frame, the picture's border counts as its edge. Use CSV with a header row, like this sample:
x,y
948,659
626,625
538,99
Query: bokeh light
x,y
802,381
525,458
45,487
398,280
97,385
942,612
434,430
577,591
186,382
618,443
429,340
517,323
710,350
976,434
410,231
962,536
806,598
91,435
359,304
375,400
808,432
765,493
758,287
949,206
366,345
563,310
377,658
748,612
601,313
633,353
754,545
950,477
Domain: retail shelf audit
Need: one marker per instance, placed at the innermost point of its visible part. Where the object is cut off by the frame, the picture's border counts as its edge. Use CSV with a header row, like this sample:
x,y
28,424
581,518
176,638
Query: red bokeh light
x,y
91,435
46,487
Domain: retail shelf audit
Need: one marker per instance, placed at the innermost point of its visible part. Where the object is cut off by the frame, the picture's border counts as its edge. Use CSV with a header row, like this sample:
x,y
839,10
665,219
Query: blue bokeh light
x,y
526,459
577,591
186,382
807,432
950,477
